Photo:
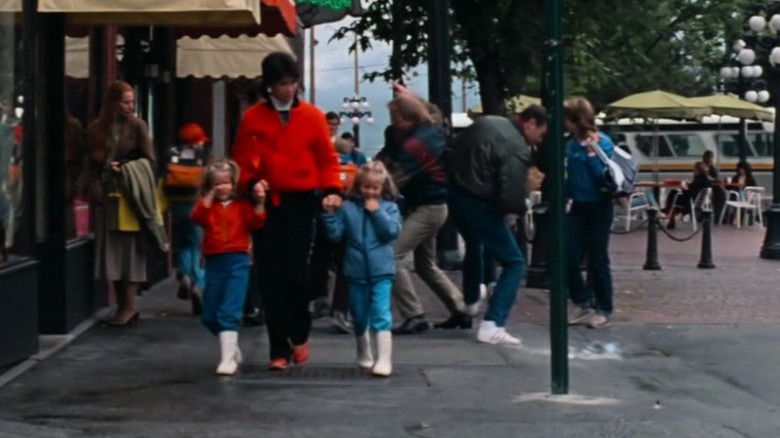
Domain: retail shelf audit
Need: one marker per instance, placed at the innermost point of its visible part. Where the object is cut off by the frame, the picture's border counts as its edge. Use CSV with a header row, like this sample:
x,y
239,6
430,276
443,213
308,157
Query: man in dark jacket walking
x,y
488,170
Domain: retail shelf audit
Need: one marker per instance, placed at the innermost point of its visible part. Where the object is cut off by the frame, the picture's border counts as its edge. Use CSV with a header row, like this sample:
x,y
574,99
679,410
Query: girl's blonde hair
x,y
223,165
411,108
374,171
579,111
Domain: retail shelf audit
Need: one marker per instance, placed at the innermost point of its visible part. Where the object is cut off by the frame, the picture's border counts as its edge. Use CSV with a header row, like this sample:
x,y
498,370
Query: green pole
x,y
557,267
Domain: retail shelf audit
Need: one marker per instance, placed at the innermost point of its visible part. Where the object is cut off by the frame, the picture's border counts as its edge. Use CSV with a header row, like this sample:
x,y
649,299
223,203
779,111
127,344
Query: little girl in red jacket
x,y
227,222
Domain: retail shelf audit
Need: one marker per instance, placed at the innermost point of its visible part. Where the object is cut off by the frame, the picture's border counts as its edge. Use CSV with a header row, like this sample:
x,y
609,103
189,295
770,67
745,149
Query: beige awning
x,y
225,56
10,5
202,57
156,12
77,57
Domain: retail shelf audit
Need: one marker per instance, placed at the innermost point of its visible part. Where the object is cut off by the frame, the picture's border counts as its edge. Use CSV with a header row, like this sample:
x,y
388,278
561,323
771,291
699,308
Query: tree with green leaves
x,y
613,47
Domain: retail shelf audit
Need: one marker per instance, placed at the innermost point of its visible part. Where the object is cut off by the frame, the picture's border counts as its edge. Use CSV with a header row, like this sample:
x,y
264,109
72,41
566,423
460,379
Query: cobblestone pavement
x,y
742,288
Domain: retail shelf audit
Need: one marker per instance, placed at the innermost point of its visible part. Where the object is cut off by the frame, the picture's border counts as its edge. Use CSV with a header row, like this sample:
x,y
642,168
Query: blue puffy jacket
x,y
585,179
369,255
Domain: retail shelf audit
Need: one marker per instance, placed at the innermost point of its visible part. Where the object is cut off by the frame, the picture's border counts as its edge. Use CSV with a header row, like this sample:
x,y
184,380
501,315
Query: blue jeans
x,y
484,228
227,277
370,305
187,238
588,225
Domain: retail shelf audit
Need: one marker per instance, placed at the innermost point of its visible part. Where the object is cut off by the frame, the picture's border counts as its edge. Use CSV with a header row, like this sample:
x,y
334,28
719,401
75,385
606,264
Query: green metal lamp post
x,y
553,100
768,42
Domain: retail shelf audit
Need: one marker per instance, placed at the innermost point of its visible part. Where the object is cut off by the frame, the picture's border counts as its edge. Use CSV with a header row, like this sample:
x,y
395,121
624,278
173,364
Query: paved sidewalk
x,y
682,359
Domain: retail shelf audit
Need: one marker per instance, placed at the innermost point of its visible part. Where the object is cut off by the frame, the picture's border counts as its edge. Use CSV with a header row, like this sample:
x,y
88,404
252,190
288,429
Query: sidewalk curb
x,y
59,342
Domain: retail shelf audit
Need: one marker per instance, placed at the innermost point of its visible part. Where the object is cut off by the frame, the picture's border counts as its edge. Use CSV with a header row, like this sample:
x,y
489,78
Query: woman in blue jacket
x,y
369,220
590,217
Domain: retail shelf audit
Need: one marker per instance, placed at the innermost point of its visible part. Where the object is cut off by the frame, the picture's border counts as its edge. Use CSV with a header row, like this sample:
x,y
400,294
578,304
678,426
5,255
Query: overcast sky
x,y
334,80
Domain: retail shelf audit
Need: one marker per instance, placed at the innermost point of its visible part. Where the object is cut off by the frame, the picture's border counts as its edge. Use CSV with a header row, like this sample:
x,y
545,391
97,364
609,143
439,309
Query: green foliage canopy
x,y
612,47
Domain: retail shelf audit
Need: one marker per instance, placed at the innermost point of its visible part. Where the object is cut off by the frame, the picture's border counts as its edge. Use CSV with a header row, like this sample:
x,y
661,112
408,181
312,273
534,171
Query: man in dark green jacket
x,y
488,170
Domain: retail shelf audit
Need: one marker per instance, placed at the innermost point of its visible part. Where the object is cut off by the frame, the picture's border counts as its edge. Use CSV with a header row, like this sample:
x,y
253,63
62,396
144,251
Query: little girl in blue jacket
x,y
369,220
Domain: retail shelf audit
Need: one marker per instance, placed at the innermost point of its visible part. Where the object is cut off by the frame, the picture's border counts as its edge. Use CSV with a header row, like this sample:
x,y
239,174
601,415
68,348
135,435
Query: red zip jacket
x,y
295,157
226,227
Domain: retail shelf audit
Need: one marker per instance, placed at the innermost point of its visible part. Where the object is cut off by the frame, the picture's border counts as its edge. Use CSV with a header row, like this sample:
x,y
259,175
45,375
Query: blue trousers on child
x,y
187,237
227,277
370,305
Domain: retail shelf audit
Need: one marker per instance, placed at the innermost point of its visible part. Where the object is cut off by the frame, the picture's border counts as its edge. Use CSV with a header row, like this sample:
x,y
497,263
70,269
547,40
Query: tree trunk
x,y
490,79
480,30
396,58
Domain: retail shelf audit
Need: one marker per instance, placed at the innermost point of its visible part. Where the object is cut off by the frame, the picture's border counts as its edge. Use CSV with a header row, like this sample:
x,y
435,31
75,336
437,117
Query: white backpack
x,y
620,173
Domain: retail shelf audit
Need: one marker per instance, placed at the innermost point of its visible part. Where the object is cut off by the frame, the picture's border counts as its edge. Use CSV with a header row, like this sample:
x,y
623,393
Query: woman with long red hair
x,y
115,139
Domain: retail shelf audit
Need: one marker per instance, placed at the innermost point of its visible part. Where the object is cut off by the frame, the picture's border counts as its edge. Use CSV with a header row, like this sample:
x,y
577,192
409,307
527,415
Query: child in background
x,y
227,222
369,220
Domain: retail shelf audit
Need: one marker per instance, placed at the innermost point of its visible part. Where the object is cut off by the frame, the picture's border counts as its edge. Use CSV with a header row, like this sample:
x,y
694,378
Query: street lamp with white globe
x,y
355,109
764,42
744,76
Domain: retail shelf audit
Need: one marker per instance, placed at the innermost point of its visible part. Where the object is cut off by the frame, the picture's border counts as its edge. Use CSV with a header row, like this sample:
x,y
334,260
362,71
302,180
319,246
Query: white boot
x,y
365,359
231,356
383,366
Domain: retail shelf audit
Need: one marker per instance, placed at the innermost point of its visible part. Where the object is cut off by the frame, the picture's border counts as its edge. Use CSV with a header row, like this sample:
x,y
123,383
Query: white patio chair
x,y
634,208
751,203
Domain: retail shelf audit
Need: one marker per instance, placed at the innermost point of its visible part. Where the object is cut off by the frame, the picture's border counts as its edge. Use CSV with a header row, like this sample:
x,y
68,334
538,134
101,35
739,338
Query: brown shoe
x,y
116,321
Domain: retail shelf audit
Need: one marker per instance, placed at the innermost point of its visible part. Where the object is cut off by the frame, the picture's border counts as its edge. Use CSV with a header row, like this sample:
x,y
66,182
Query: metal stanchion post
x,y
537,277
705,261
651,260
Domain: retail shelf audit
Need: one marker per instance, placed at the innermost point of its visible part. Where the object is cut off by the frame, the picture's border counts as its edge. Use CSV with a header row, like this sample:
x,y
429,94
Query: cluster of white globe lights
x,y
747,56
355,104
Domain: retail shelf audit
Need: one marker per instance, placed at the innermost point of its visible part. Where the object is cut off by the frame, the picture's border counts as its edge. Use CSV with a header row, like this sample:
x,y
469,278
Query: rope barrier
x,y
676,239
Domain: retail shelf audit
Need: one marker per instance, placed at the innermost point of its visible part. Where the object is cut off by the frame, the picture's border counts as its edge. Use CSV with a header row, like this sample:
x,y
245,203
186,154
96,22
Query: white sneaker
x,y
596,320
581,316
490,333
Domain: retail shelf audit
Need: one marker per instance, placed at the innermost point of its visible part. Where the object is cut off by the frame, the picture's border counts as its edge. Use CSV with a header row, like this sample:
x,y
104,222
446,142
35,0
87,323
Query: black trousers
x,y
285,262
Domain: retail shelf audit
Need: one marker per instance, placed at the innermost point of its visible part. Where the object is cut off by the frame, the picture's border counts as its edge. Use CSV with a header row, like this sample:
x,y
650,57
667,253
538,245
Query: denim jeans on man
x,y
588,225
482,226
227,277
187,238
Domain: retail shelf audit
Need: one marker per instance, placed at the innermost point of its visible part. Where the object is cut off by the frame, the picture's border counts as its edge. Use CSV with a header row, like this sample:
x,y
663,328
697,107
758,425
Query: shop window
x,y
14,235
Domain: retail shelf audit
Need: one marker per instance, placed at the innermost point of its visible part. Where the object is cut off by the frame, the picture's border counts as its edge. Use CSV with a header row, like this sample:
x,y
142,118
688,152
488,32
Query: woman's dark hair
x,y
744,165
276,67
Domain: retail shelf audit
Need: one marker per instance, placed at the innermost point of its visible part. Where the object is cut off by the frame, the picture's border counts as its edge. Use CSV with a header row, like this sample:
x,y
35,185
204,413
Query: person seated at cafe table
x,y
681,203
744,177
718,191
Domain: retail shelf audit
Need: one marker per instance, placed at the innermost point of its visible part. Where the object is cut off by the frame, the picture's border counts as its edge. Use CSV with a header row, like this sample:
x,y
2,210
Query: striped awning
x,y
155,12
203,57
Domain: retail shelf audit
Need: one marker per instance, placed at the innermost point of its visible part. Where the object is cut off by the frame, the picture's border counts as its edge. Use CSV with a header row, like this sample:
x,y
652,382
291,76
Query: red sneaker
x,y
301,353
279,364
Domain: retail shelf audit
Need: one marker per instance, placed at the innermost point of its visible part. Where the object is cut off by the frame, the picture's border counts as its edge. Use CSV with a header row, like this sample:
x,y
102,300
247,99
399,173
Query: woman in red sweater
x,y
283,146
227,222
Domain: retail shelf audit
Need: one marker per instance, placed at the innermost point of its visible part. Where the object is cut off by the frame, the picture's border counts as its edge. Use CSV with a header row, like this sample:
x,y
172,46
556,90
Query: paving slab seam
x,y
64,340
